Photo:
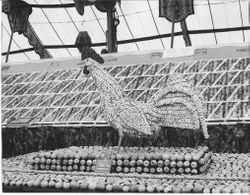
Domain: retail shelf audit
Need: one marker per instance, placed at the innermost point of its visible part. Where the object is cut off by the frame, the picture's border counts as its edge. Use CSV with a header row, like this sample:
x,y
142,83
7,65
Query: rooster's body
x,y
177,104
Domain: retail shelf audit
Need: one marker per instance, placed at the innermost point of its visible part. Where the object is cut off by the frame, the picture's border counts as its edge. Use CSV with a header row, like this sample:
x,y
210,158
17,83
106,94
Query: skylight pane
x,y
127,47
74,14
33,55
233,14
46,34
18,58
74,51
57,15
123,30
93,29
37,16
66,31
245,12
59,53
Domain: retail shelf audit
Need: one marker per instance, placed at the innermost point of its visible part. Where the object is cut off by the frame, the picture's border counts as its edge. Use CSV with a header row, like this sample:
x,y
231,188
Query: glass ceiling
x,y
138,18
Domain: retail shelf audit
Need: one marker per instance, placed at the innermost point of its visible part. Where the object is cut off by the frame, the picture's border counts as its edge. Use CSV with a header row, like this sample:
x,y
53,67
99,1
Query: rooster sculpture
x,y
177,103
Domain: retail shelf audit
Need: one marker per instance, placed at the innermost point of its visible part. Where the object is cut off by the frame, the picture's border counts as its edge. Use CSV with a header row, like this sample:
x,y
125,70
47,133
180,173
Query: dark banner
x,y
178,9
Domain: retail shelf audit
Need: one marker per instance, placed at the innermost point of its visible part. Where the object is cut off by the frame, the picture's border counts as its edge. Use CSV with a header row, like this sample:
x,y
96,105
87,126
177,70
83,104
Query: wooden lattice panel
x,y
67,97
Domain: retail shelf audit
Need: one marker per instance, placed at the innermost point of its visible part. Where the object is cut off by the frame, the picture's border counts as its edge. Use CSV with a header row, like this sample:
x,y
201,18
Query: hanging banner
x,y
176,10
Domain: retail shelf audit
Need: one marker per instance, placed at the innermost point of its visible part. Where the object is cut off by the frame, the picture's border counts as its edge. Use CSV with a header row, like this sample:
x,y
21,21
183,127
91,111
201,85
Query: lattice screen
x,y
67,97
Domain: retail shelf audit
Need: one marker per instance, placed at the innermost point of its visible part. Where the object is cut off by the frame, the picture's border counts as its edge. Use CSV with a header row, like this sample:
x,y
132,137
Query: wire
x,y
129,28
241,16
212,20
155,23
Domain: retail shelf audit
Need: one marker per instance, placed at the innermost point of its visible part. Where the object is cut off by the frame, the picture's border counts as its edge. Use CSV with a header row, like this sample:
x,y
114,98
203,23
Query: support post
x,y
8,52
111,32
173,24
186,36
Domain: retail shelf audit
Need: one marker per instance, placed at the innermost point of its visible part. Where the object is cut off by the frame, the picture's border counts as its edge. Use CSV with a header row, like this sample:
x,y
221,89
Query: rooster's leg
x,y
120,140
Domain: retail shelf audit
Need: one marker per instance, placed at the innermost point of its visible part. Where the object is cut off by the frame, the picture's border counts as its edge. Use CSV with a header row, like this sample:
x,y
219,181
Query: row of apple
x,y
116,184
148,160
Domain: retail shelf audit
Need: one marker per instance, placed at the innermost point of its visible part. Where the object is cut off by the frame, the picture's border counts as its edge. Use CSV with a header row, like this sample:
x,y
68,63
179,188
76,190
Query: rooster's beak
x,y
85,70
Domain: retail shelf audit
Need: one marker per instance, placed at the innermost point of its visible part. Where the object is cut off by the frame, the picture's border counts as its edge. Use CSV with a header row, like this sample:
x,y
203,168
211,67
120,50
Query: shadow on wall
x,y
230,139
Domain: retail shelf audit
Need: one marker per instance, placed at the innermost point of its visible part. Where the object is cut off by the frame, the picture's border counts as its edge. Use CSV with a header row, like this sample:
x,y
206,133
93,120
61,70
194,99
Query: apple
x,y
188,157
82,168
64,168
138,169
109,187
89,162
186,163
66,185
94,162
76,161
165,156
153,162
47,167
159,188
48,161
134,157
58,161
145,170
125,169
70,161
82,162
119,162
53,161
167,162
141,188
141,157
173,164
58,167
52,184
42,167
194,164
84,185
166,170
139,162
173,157
126,162
65,162
125,188
159,170
180,170
93,168
150,189
173,170
69,168
42,160
179,164
132,163
30,183
117,187
146,163
75,167
36,167
44,184
133,188
187,170
152,170
36,160
149,156
168,189
194,171
160,163
59,185
132,170
118,169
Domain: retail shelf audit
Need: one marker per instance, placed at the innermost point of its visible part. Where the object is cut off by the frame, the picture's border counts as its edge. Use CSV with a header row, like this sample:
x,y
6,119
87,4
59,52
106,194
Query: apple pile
x,y
68,159
118,184
230,165
162,160
151,160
